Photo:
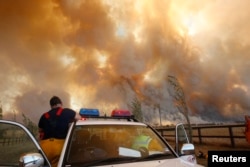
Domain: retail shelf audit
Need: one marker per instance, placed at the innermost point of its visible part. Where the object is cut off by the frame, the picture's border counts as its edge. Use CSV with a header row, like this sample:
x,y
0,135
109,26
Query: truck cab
x,y
94,140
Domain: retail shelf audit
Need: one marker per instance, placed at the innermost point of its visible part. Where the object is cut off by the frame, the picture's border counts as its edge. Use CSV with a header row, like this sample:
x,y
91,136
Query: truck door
x,y
19,147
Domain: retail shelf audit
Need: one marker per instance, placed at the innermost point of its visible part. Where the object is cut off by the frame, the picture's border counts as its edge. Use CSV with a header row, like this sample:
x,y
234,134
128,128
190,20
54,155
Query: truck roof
x,y
105,121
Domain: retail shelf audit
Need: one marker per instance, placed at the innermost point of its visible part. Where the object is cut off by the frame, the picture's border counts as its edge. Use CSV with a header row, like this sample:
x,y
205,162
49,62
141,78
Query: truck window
x,y
96,142
14,142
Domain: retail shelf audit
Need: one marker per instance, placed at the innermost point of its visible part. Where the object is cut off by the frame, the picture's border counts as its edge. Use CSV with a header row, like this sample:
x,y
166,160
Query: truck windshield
x,y
119,143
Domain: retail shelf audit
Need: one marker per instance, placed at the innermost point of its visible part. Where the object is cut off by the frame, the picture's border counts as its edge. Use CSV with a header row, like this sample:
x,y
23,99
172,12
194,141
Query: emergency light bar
x,y
120,113
87,112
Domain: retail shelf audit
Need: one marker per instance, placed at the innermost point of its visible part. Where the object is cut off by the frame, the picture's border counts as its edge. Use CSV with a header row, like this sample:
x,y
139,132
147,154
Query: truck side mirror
x,y
180,137
187,149
188,153
183,147
31,160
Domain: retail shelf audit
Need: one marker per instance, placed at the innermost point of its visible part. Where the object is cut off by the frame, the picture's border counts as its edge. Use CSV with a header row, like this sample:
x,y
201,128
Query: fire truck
x,y
118,140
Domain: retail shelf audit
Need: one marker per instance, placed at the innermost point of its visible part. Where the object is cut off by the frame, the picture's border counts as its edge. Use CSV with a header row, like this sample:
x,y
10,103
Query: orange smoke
x,y
103,54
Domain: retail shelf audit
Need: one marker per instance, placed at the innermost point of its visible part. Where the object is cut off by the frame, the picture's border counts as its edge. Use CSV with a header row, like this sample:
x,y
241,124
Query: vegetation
x,y
135,107
30,125
179,101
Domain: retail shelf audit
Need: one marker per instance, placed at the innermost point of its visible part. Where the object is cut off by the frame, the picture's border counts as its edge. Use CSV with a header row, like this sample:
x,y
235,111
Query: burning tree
x,y
179,100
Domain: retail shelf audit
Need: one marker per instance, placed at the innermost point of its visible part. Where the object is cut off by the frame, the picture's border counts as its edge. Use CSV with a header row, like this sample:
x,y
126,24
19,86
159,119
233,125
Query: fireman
x,y
144,143
141,141
53,126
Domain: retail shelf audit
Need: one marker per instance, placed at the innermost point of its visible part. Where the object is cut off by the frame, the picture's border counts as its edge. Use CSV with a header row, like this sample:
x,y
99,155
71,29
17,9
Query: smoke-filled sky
x,y
104,53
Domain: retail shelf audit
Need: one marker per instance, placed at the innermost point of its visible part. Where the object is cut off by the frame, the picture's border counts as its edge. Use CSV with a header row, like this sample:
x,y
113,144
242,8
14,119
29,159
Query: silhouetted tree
x,y
179,100
135,107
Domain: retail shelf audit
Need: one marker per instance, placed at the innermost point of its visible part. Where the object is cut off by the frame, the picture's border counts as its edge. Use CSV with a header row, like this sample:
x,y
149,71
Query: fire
x,y
102,60
107,52
242,87
80,98
151,77
67,60
187,21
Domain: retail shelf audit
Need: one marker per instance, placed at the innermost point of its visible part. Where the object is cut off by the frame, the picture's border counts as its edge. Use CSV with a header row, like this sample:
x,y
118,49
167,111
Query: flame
x,y
187,21
104,53
102,60
67,60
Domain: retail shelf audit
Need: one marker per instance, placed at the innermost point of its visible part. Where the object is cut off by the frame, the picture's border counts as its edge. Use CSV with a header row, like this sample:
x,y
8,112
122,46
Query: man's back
x,y
55,122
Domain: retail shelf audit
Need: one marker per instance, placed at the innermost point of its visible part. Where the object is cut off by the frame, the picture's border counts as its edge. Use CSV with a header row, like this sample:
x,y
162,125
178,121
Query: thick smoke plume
x,y
104,53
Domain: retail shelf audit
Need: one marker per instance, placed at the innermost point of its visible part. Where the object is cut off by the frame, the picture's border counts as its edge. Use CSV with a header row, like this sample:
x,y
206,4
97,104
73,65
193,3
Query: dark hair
x,y
55,100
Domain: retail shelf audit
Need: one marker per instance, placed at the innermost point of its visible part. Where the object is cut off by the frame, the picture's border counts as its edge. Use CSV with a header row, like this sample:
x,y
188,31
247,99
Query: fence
x,y
201,132
11,141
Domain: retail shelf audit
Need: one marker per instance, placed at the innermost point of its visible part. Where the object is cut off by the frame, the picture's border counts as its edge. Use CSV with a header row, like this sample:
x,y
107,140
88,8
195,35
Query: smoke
x,y
103,54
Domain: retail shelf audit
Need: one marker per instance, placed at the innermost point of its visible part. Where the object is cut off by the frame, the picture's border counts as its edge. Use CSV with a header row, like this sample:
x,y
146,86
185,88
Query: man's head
x,y
55,102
